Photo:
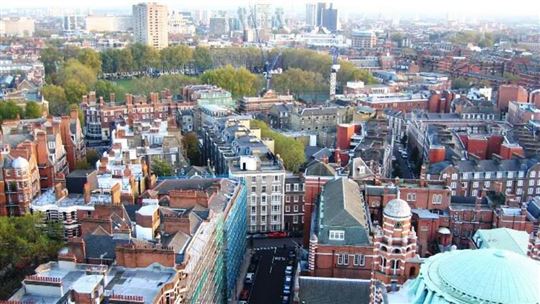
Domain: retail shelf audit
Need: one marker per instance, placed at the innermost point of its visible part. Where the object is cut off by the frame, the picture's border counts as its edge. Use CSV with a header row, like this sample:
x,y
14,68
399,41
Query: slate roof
x,y
165,186
319,290
102,246
317,168
342,208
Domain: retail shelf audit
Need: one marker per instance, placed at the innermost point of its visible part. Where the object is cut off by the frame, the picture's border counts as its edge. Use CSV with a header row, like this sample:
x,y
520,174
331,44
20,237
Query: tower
x,y
395,244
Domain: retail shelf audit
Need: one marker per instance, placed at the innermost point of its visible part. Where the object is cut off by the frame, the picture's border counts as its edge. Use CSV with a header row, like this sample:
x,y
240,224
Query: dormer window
x,y
336,235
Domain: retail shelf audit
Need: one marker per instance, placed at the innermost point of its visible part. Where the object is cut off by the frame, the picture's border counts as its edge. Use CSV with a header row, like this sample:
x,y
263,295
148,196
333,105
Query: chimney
x,y
85,99
92,97
112,98
86,193
101,101
129,99
59,191
423,181
337,157
115,194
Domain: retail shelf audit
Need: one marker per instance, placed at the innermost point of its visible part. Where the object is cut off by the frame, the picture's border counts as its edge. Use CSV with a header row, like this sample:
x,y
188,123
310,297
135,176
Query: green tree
x,y
190,144
91,59
52,58
512,78
82,165
92,157
240,82
33,110
26,242
105,88
349,72
202,58
175,57
9,110
76,71
161,168
290,150
299,81
144,57
460,83
56,97
74,90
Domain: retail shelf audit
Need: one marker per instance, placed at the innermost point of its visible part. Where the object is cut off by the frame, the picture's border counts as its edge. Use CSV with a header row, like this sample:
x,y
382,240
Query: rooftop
x,y
502,238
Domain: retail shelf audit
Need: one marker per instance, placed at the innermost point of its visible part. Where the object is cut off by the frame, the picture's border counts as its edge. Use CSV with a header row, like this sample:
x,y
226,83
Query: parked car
x,y
288,270
244,294
277,234
249,278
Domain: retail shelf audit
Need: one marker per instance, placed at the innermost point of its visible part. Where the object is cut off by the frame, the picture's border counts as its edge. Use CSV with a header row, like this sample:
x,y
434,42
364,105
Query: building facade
x,y
150,24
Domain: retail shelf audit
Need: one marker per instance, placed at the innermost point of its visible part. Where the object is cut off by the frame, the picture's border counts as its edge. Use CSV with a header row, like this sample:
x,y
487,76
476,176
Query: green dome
x,y
477,276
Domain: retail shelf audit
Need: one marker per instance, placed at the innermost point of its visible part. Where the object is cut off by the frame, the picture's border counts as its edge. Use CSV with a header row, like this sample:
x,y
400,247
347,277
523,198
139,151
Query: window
x,y
264,178
253,210
520,183
509,184
253,179
302,217
453,185
253,199
411,196
362,170
499,174
253,218
454,176
295,187
263,218
343,259
538,182
275,208
275,218
474,193
475,185
276,198
263,199
276,178
253,189
530,191
288,187
263,189
295,208
359,260
296,198
437,198
510,174
533,174
537,190
276,188
288,198
531,182
336,235
295,219
287,208
263,209
487,183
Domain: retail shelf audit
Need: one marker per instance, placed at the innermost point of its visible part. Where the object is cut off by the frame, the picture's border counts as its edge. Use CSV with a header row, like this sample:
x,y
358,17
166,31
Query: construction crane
x,y
268,66
333,71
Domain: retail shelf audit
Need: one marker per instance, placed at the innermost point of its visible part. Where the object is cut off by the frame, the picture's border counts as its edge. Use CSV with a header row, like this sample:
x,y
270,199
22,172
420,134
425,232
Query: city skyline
x,y
460,8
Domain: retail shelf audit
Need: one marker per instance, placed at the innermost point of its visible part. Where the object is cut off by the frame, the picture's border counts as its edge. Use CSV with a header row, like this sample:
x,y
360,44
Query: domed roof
x,y
397,208
481,276
19,163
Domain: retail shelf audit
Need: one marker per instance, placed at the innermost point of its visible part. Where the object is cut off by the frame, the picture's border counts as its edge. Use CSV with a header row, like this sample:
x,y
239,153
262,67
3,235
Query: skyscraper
x,y
330,18
150,24
321,6
311,14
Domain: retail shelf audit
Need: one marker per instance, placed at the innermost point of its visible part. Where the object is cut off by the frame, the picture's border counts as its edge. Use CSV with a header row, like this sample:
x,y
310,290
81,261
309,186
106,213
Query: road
x,y
268,243
403,163
270,276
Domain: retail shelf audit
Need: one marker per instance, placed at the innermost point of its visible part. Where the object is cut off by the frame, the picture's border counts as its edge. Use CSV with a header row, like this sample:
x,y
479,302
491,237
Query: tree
x,y
202,59
290,150
26,242
161,168
240,82
75,70
349,72
82,165
144,56
105,88
190,143
75,90
9,110
175,57
32,110
92,157
91,59
460,83
52,58
56,97
298,81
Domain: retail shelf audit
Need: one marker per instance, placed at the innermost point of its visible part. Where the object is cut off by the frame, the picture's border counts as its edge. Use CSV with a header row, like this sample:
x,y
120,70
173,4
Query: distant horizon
x,y
457,9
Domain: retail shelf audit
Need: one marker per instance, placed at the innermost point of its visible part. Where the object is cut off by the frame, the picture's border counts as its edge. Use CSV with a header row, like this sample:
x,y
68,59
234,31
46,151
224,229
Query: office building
x,y
311,14
150,24
321,6
330,19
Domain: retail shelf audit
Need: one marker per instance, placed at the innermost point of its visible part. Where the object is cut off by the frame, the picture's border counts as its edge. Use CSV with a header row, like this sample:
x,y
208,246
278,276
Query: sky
x,y
469,8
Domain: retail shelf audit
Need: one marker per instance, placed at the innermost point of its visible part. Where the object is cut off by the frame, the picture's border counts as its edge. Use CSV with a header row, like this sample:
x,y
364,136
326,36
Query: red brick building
x,y
510,92
340,243
395,245
315,177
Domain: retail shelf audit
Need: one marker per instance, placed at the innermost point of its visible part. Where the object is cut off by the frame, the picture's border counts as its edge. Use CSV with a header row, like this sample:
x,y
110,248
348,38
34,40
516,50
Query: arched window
x,y
395,266
397,250
383,264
